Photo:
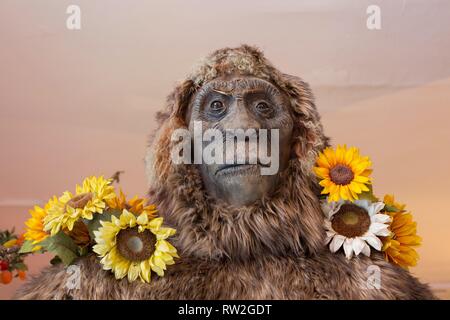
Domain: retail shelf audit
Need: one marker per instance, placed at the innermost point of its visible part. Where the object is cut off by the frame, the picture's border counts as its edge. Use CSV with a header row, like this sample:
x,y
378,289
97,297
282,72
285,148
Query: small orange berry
x,y
21,240
22,274
6,277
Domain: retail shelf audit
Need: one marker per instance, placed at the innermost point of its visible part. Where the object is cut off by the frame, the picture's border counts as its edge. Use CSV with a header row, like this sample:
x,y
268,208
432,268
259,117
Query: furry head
x,y
289,222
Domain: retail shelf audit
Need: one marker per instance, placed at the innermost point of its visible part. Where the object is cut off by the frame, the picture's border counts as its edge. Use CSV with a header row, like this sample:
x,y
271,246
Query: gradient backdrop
x,y
76,103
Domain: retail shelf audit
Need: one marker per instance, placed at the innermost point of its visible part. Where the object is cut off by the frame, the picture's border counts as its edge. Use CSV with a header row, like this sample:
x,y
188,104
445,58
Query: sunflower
x,y
134,246
344,173
355,226
89,198
135,205
35,225
399,246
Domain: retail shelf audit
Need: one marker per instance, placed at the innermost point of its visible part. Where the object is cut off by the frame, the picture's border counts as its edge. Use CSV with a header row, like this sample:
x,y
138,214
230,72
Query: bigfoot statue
x,y
240,234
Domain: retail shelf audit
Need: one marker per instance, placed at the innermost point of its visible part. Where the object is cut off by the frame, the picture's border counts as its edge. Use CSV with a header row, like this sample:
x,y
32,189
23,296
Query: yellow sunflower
x,y
89,198
35,225
135,205
399,247
134,246
344,173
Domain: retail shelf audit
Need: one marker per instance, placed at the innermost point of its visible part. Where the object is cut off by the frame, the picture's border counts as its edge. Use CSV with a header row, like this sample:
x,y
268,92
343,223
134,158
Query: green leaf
x,y
323,196
6,235
82,251
62,246
368,195
20,266
95,224
27,247
389,208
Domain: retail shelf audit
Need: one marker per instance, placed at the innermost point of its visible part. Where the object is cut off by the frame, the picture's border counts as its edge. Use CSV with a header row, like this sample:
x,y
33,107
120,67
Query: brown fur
x,y
272,249
322,276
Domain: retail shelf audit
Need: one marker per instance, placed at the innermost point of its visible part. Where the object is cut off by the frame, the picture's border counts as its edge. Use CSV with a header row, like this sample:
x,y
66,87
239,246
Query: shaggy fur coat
x,y
273,249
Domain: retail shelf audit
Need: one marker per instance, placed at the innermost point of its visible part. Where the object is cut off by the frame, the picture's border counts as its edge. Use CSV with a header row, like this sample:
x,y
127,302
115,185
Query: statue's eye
x,y
216,107
264,109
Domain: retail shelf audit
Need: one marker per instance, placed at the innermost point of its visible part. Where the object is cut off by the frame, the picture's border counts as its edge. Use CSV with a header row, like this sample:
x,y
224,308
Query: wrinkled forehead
x,y
236,85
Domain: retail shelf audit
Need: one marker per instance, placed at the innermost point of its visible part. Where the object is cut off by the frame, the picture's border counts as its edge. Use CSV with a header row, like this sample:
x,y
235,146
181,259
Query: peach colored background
x,y
75,103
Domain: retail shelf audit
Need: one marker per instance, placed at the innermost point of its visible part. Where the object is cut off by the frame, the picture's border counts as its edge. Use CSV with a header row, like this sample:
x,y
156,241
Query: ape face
x,y
226,90
243,102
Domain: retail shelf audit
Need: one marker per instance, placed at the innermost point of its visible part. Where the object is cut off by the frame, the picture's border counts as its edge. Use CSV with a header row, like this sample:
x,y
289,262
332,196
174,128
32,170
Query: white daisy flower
x,y
355,225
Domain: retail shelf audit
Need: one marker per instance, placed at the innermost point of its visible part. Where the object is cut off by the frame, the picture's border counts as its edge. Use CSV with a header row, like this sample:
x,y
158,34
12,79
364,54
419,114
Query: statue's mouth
x,y
240,169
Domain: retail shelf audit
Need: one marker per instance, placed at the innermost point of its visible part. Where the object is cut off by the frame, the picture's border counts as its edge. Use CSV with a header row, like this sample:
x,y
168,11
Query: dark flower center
x,y
351,221
79,234
80,200
341,174
134,245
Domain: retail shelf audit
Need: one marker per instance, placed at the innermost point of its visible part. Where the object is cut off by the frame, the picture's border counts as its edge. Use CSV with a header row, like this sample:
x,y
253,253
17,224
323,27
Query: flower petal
x,y
142,219
377,227
380,218
133,271
376,208
336,243
127,219
330,235
156,223
348,248
145,271
373,240
358,245
366,250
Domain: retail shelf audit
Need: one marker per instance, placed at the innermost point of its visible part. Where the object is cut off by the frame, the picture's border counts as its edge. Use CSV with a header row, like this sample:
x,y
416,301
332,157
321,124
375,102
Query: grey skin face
x,y
240,102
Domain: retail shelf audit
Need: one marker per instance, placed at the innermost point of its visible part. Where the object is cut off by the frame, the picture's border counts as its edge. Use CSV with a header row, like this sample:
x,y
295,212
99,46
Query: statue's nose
x,y
241,117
